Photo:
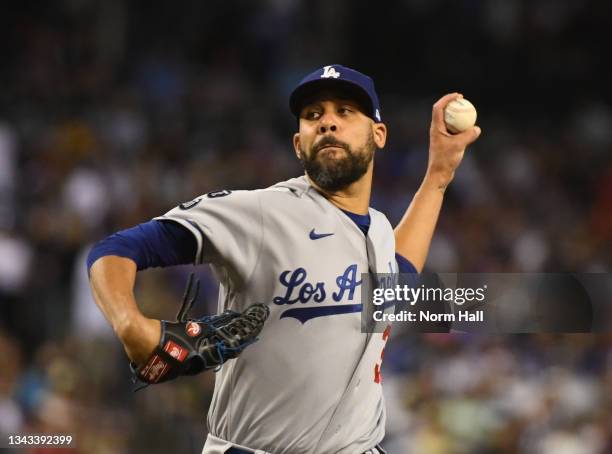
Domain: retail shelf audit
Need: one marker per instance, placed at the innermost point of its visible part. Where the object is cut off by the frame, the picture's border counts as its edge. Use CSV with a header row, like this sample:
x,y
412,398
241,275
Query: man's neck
x,y
355,198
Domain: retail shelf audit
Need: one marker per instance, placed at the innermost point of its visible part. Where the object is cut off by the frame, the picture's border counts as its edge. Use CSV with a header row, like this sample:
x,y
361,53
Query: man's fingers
x,y
469,135
437,113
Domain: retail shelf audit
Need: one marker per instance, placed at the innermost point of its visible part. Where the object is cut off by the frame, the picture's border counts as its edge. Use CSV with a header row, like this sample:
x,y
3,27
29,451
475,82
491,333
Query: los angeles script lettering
x,y
301,291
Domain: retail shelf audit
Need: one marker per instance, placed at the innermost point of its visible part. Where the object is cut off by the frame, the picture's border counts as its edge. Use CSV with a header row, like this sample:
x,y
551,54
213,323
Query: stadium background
x,y
113,112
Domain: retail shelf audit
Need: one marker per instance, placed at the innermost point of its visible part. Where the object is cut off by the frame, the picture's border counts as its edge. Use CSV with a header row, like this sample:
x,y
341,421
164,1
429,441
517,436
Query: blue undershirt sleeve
x,y
404,265
151,244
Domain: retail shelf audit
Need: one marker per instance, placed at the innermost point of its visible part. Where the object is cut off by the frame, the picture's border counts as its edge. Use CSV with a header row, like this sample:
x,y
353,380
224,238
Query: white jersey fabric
x,y
309,385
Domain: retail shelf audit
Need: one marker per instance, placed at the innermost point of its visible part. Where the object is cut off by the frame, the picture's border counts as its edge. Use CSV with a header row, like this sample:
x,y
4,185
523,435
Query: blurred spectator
x,y
12,419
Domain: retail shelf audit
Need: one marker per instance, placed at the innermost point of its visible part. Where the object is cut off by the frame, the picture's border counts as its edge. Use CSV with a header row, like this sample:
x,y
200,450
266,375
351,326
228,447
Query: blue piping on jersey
x,y
200,257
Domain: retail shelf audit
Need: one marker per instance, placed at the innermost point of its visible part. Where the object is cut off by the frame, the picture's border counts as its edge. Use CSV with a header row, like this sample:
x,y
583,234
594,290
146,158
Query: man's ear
x,y
296,145
380,134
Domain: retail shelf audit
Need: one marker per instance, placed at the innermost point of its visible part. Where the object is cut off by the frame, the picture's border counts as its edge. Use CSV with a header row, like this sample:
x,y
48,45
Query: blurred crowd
x,y
474,394
113,112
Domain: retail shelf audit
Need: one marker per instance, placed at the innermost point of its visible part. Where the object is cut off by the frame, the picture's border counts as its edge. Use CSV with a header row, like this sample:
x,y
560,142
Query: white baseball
x,y
459,115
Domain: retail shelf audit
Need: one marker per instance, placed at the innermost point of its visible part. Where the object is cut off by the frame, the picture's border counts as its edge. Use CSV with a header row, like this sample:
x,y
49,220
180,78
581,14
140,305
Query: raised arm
x,y
414,232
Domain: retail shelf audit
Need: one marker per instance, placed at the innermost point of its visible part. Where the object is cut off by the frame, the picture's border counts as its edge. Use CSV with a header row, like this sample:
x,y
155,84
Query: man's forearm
x,y
414,232
112,281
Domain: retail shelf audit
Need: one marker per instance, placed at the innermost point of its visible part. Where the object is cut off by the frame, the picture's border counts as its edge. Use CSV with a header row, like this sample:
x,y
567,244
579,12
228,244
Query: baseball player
x,y
312,383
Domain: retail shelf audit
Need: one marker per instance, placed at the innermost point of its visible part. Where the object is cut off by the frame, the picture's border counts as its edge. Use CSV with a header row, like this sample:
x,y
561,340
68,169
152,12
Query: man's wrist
x,y
438,181
128,325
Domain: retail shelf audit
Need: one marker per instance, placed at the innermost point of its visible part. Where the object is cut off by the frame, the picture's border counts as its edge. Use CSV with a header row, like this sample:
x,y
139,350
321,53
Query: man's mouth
x,y
331,147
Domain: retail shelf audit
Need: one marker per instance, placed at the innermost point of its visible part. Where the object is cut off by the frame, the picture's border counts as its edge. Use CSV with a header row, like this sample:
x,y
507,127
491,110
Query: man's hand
x,y
139,338
446,149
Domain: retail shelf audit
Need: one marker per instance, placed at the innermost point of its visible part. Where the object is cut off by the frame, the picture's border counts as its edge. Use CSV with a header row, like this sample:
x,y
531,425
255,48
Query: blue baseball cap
x,y
346,81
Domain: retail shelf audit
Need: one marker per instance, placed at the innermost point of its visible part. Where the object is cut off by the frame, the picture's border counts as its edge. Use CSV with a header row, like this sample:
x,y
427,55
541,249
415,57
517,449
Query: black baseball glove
x,y
190,346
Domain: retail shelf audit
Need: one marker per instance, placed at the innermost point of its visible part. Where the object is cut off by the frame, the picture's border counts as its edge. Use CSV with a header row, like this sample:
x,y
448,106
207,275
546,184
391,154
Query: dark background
x,y
113,112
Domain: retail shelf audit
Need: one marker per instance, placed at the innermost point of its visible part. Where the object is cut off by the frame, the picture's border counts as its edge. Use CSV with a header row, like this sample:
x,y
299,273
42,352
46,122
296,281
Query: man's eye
x,y
312,115
344,110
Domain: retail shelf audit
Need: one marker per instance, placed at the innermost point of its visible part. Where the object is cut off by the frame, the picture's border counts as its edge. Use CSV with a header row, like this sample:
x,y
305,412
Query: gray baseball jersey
x,y
312,382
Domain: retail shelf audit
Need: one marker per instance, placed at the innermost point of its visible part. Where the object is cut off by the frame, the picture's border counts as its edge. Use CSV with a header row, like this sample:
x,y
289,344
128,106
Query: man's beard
x,y
337,174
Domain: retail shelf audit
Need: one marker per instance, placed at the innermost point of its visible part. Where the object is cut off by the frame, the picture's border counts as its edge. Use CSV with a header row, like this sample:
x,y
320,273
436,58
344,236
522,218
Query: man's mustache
x,y
329,141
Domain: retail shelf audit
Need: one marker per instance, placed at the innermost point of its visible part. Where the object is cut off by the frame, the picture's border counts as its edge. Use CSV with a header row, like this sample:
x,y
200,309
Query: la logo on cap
x,y
329,71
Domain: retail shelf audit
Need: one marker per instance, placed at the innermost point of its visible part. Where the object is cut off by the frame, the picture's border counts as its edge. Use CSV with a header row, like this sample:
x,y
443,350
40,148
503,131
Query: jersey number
x,y
188,205
377,373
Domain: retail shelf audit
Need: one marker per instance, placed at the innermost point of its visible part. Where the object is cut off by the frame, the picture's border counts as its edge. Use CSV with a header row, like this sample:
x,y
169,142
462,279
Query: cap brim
x,y
308,92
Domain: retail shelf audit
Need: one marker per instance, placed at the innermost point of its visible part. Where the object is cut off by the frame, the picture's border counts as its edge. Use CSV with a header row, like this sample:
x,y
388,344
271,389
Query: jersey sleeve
x,y
227,226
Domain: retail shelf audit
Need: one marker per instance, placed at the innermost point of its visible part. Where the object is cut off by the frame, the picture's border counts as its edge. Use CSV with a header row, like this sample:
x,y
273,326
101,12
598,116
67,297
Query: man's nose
x,y
327,124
